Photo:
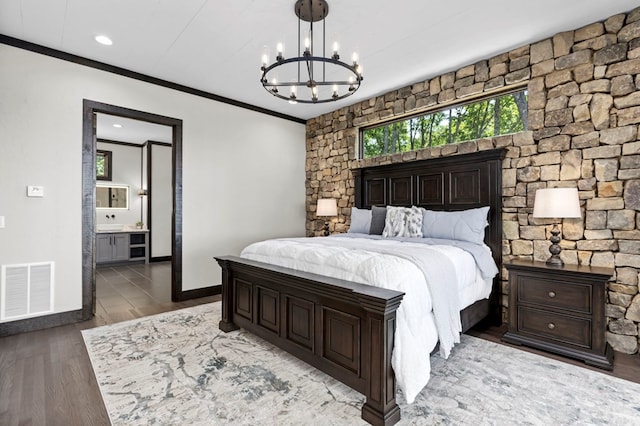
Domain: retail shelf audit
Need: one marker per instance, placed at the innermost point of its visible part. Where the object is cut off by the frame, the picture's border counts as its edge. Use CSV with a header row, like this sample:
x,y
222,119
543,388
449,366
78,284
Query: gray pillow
x,y
465,225
378,216
360,221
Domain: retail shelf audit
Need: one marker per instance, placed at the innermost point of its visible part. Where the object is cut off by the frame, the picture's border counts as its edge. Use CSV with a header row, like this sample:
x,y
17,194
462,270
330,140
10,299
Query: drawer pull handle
x,y
551,326
552,294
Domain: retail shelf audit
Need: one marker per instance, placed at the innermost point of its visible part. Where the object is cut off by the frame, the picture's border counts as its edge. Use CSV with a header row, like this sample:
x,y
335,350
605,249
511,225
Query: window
x,y
103,165
495,116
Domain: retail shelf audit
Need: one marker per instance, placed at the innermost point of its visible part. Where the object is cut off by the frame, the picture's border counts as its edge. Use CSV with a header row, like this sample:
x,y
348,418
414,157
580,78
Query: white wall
x,y
125,170
161,200
243,175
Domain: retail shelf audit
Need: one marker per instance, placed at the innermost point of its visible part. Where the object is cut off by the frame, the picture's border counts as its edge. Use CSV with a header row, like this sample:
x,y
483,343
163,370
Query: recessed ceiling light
x,y
103,40
117,126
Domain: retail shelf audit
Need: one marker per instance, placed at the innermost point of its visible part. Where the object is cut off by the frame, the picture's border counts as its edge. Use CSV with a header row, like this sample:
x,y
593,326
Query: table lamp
x,y
556,203
326,207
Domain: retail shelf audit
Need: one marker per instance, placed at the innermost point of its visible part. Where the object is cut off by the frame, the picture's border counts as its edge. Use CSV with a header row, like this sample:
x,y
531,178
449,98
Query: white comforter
x,y
430,276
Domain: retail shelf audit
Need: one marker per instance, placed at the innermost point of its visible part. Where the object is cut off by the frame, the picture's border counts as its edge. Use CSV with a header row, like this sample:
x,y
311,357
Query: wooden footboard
x,y
342,328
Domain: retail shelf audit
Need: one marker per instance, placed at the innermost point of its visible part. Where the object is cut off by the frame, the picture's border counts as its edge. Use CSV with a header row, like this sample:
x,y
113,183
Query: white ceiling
x,y
216,46
131,131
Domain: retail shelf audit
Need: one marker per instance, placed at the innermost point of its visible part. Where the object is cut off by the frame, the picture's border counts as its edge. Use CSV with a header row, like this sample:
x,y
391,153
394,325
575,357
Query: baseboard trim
x,y
39,323
200,292
64,318
160,259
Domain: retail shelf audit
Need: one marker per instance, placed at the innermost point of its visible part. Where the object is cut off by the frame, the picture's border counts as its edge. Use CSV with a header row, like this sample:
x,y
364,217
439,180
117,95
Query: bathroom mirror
x,y
112,197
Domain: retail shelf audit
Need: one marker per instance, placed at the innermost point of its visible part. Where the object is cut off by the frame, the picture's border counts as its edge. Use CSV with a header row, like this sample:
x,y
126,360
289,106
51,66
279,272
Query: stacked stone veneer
x,y
584,111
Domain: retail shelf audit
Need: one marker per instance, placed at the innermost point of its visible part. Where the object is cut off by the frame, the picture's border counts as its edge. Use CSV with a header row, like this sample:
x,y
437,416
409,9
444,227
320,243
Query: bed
x,y
346,328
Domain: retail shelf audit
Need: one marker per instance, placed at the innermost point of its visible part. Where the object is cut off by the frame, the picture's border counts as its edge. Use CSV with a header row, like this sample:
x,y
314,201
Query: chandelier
x,y
308,78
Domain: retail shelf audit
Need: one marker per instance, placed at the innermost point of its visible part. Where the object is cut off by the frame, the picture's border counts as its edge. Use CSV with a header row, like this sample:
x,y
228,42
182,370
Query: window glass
x,y
490,117
103,165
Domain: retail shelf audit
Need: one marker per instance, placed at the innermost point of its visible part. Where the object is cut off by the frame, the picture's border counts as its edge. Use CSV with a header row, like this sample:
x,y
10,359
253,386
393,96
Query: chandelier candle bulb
x,y
354,58
280,49
292,97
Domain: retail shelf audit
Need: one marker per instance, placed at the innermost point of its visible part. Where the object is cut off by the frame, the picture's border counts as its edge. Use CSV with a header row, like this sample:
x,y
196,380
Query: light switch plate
x,y
35,191
1,221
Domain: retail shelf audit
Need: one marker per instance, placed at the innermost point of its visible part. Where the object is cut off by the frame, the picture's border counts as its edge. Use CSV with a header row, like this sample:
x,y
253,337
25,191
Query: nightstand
x,y
560,310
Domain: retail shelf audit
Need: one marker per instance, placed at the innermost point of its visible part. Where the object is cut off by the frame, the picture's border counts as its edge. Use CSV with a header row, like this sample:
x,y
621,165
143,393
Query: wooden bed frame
x,y
346,329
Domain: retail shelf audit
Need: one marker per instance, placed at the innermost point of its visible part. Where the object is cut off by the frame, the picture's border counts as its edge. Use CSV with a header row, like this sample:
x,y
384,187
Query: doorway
x,y
139,164
89,147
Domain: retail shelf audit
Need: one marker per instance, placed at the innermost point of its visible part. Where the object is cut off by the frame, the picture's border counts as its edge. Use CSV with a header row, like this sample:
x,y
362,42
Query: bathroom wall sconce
x,y
142,192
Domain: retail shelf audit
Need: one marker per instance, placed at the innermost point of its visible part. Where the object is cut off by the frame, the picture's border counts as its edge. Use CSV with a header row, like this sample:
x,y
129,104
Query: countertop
x,y
125,229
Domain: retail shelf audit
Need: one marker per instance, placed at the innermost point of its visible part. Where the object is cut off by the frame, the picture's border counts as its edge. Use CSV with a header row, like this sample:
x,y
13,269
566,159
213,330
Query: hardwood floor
x,y
624,366
46,377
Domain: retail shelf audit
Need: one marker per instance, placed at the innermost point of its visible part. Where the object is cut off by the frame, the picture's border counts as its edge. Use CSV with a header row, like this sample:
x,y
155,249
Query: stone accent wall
x,y
584,112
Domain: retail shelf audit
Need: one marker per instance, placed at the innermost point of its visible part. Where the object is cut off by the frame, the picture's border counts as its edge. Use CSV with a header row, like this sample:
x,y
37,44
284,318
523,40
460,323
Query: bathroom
x,y
133,191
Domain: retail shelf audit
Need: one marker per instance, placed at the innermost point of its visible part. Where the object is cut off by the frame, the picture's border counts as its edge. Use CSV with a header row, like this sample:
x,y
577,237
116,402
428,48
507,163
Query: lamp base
x,y
555,260
326,229
554,248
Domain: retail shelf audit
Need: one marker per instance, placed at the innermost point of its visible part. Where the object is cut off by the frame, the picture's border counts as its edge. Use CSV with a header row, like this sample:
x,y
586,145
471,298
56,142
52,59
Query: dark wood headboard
x,y
452,183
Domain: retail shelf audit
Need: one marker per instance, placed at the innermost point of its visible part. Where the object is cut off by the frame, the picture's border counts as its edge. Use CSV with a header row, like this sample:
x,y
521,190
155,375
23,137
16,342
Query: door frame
x,y
89,146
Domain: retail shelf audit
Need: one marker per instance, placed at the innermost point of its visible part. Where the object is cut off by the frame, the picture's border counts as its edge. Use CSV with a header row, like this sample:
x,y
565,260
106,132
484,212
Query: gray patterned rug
x,y
177,368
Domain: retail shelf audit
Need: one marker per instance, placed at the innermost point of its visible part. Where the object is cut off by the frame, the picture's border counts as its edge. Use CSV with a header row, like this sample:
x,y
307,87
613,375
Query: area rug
x,y
177,368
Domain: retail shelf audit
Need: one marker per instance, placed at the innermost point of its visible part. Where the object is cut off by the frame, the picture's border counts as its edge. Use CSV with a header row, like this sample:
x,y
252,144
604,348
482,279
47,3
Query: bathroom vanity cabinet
x,y
121,247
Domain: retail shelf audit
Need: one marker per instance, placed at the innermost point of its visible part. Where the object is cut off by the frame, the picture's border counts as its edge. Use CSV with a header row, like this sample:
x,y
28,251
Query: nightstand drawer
x,y
549,325
555,293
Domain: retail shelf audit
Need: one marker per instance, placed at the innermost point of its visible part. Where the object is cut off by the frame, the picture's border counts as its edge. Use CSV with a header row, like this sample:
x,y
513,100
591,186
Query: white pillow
x,y
360,221
403,222
464,225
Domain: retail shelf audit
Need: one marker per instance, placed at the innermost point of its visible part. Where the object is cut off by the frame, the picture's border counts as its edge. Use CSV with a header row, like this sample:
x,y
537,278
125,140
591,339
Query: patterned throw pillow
x,y
403,222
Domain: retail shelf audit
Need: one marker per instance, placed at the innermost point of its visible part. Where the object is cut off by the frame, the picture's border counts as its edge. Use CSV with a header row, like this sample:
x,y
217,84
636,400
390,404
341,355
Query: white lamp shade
x,y
557,203
327,207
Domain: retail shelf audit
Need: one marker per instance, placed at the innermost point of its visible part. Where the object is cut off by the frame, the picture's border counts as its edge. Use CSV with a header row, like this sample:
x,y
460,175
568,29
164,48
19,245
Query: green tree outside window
x,y
487,118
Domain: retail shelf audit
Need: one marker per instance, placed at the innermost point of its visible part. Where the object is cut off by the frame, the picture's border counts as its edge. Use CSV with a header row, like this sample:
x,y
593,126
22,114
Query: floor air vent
x,y
26,290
